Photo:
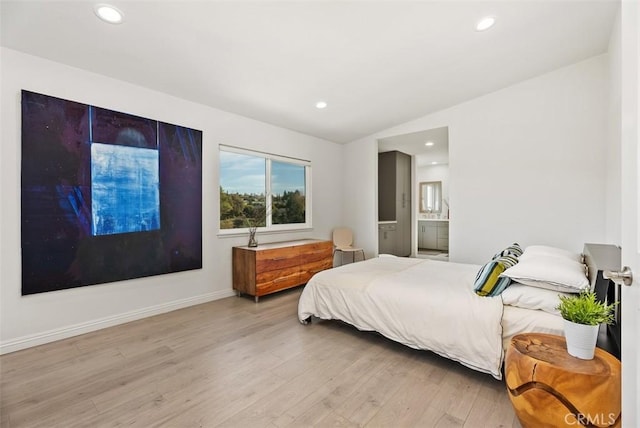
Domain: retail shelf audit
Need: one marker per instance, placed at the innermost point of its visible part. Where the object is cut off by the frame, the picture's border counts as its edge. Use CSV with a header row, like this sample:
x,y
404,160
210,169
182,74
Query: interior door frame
x,y
630,201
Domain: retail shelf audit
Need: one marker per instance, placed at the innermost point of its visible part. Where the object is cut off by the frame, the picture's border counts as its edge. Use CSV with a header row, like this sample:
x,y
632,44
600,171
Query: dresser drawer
x,y
277,258
316,252
274,275
267,282
307,270
285,278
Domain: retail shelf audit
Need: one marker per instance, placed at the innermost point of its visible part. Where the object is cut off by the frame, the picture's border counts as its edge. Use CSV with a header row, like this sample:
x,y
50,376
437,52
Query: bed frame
x,y
600,258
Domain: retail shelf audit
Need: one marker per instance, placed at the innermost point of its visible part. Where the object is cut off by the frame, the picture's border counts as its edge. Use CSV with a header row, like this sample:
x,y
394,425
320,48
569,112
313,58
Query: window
x,y
263,190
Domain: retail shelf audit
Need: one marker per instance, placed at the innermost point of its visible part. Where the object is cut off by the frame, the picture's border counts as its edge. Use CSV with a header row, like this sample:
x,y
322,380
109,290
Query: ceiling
x,y
429,147
376,64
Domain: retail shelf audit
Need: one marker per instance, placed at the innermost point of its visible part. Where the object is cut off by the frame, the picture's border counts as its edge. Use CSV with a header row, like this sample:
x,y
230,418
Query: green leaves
x,y
583,308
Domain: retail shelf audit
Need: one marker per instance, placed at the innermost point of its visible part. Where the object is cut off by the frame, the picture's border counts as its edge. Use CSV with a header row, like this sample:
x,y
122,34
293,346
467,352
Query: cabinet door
x,y
421,234
394,198
431,236
443,244
386,240
387,186
443,236
403,203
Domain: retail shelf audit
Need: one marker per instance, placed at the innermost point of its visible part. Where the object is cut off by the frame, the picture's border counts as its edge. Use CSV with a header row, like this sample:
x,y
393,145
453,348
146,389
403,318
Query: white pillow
x,y
545,250
526,297
550,272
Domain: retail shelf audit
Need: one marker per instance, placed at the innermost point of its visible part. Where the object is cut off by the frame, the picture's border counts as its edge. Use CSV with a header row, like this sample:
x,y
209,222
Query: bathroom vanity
x,y
433,234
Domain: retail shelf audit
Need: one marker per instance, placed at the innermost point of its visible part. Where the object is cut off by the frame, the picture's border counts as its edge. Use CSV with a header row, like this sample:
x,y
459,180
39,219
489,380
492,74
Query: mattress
x,y
517,320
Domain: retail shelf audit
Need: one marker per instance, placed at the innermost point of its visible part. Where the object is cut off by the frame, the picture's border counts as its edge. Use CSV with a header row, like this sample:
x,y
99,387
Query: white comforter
x,y
424,304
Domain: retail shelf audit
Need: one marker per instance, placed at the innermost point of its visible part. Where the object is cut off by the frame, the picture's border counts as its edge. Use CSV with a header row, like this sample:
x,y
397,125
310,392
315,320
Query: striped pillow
x,y
488,282
508,260
514,250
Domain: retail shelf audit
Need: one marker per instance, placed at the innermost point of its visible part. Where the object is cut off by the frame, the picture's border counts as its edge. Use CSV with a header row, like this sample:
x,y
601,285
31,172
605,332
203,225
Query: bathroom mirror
x,y
431,197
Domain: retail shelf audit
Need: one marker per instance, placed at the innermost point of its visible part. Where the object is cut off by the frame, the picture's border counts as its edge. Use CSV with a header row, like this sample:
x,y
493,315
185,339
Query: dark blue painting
x,y
106,196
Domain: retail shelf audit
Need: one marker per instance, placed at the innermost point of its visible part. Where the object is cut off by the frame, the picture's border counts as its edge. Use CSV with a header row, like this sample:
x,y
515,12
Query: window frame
x,y
270,227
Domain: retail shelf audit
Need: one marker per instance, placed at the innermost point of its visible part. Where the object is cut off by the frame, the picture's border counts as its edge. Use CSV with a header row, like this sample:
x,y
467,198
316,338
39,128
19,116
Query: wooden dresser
x,y
268,268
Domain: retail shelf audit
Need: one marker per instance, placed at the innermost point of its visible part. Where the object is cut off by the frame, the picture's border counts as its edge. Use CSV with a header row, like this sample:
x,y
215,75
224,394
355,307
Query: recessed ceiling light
x,y
429,143
321,104
108,13
434,163
485,23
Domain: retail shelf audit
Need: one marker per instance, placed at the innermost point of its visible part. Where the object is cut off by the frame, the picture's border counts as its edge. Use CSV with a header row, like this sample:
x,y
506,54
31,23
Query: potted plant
x,y
583,314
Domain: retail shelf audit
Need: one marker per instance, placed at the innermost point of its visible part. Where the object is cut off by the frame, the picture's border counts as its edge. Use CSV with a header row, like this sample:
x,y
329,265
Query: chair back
x,y
342,237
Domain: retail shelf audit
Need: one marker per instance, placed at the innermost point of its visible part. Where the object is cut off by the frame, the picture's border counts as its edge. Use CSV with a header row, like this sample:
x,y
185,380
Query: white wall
x,y
360,203
34,319
613,178
527,164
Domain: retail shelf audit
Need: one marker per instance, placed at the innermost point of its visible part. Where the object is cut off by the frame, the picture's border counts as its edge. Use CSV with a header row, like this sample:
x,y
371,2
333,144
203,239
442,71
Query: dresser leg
x,y
256,298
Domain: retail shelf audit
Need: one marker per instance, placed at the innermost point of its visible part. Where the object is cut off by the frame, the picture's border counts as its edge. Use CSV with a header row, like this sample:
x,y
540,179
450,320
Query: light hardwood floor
x,y
235,363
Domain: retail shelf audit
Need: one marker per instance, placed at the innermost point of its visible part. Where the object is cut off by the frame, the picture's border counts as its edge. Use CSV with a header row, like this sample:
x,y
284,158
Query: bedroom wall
x,y
526,164
614,178
30,320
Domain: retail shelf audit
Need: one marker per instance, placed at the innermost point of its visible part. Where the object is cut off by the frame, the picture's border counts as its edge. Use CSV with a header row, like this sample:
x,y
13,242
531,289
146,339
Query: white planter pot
x,y
581,339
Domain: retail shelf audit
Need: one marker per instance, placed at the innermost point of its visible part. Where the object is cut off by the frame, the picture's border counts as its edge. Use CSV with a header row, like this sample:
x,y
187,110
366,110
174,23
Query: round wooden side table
x,y
550,388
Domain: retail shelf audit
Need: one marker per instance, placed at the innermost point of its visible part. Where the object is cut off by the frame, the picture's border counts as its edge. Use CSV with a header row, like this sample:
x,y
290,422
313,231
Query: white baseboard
x,y
89,326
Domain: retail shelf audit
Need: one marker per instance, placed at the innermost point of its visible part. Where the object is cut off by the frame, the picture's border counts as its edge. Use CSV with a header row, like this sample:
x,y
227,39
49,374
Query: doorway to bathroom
x,y
429,194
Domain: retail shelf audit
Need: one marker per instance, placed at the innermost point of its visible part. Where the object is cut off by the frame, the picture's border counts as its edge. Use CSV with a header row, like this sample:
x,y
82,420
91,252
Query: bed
x,y
434,305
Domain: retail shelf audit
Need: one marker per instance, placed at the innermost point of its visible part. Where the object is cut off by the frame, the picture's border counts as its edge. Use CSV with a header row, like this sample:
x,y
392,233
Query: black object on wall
x,y
105,196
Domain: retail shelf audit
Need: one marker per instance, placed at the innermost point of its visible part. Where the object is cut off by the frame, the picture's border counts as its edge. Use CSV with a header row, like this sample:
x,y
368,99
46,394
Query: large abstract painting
x,y
106,196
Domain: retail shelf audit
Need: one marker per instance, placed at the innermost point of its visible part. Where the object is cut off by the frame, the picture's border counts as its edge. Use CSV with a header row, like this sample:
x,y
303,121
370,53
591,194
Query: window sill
x,y
233,233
